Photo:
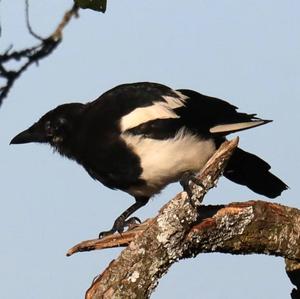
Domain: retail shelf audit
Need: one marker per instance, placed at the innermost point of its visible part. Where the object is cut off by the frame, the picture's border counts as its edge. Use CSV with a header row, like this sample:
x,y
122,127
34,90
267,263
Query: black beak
x,y
29,135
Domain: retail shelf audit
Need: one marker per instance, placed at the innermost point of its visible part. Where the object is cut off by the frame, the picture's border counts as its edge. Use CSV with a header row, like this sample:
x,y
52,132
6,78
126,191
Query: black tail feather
x,y
249,170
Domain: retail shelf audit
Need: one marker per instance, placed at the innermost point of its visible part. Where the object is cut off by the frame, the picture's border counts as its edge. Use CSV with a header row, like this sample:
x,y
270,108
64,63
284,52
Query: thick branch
x,y
32,55
135,273
237,228
245,228
181,231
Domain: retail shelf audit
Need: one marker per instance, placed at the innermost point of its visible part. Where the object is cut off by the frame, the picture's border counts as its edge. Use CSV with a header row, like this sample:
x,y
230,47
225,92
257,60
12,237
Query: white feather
x,y
165,161
235,127
142,115
159,110
175,102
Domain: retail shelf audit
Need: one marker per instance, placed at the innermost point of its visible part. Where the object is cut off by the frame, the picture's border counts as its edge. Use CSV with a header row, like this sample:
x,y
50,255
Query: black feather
x,y
202,112
249,170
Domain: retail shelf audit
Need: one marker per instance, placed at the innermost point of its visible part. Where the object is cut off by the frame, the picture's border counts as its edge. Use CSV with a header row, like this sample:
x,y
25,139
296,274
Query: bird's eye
x,y
59,125
61,122
48,128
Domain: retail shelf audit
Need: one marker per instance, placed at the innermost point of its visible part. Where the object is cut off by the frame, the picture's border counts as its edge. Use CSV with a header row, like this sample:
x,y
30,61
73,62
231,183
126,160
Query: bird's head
x,y
55,127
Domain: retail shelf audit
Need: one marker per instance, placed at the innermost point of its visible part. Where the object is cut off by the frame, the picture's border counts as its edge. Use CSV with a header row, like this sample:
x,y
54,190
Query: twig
x,y
0,24
28,22
32,55
111,241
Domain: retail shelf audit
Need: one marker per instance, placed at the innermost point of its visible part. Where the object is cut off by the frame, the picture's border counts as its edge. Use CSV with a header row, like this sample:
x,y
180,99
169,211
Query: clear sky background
x,y
247,52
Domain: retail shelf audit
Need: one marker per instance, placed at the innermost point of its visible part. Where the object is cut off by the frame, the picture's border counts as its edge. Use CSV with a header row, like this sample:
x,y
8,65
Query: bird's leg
x,y
186,180
123,221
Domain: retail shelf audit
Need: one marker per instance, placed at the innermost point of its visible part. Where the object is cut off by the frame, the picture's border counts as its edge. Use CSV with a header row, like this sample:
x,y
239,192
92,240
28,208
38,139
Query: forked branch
x,y
181,231
29,56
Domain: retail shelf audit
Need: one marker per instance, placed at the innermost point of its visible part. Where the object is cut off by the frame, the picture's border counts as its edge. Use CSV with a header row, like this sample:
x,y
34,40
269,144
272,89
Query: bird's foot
x,y
192,186
120,224
132,223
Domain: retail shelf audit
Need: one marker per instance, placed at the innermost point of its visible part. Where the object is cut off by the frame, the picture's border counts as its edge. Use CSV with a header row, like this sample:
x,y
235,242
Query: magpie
x,y
140,137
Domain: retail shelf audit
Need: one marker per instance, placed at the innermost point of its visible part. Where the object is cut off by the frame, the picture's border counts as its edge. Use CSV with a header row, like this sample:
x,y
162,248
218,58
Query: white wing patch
x,y
236,127
175,102
142,115
159,110
165,161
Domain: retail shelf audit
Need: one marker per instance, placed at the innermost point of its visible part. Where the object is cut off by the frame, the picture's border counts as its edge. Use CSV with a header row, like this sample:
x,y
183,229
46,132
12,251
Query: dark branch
x,y
28,22
0,24
31,55
292,268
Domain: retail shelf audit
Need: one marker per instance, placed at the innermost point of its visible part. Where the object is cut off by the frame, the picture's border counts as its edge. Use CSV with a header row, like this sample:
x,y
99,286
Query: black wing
x,y
166,111
211,115
123,99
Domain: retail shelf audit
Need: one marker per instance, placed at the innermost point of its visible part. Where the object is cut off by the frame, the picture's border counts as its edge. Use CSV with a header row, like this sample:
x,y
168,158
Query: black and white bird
x,y
140,137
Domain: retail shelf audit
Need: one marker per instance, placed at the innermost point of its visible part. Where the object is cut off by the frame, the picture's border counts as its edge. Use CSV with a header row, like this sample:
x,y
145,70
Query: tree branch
x,y
236,228
28,22
182,231
27,57
135,273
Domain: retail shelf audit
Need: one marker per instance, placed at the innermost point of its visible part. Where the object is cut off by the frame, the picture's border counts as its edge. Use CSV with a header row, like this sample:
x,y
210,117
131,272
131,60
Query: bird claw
x,y
119,225
132,222
185,182
106,233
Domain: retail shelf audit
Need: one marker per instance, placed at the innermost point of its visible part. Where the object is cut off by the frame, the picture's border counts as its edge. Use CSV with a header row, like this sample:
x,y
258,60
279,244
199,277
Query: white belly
x,y
164,161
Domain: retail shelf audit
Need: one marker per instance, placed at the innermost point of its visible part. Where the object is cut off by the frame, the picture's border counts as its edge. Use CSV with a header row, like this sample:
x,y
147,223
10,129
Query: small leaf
x,y
98,5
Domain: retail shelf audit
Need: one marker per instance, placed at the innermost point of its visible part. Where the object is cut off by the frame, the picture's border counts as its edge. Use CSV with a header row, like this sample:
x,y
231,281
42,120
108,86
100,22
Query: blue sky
x,y
246,52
